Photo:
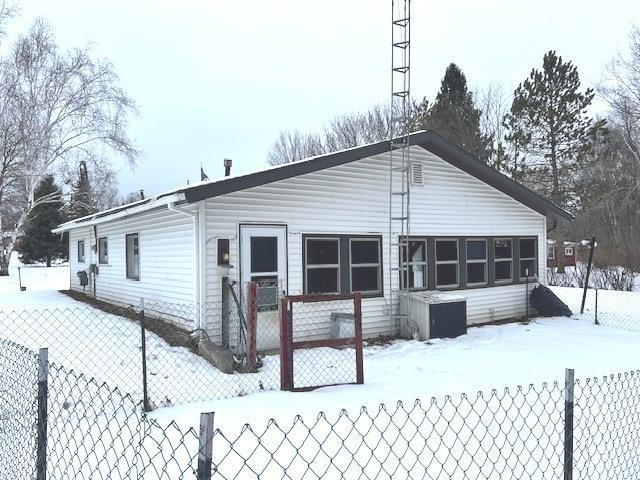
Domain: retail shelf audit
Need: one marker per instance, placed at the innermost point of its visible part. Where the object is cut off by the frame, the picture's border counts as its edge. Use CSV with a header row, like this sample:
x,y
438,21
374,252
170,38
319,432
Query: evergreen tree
x,y
455,116
549,124
37,243
81,203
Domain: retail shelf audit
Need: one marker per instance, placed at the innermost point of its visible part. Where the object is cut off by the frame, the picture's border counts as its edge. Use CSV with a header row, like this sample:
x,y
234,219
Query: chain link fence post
x,y
145,394
205,451
569,383
252,325
596,306
43,396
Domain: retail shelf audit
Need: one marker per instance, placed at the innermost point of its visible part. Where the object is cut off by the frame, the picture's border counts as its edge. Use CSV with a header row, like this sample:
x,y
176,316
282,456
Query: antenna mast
x,y
399,183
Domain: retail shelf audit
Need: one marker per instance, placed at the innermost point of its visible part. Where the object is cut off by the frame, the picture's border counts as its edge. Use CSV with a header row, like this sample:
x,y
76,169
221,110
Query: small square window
x,y
322,265
365,265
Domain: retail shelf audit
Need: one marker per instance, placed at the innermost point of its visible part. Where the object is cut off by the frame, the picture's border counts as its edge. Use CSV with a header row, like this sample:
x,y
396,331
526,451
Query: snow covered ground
x,y
486,358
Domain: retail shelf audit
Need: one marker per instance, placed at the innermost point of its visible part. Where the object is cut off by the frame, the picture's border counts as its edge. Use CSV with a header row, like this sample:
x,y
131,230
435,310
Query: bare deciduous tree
x,y
64,106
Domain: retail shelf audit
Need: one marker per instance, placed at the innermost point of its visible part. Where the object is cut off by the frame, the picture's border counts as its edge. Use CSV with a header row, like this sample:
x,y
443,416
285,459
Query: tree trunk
x,y
48,260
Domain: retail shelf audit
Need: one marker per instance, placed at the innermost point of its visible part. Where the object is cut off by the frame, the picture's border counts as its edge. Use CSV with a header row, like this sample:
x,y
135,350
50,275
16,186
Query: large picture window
x,y
476,262
446,263
103,251
528,257
322,261
414,265
133,256
365,265
80,251
503,255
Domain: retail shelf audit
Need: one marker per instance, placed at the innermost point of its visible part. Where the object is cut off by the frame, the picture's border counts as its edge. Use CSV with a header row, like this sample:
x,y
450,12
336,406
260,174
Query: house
x,y
570,253
321,225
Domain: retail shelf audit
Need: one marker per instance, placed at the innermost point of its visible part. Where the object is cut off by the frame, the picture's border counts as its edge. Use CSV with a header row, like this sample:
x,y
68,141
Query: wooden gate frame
x,y
288,346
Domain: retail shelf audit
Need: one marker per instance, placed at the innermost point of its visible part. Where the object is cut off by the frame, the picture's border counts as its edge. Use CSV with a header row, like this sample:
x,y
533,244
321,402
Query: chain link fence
x,y
583,429
610,308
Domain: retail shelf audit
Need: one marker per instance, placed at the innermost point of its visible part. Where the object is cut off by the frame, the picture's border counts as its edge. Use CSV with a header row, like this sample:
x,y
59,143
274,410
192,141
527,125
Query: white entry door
x,y
263,259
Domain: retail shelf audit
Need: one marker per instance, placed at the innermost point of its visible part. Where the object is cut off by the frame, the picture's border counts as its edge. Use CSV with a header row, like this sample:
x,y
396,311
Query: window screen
x,y
365,265
476,262
103,250
322,262
80,251
503,252
447,263
527,257
133,256
414,265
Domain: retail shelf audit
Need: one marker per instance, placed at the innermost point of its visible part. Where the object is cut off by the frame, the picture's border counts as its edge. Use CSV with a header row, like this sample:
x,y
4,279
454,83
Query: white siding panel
x,y
167,260
354,199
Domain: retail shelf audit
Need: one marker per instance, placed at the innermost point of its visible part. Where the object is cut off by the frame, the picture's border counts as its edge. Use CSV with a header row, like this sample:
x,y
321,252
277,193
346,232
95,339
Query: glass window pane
x,y
417,251
264,254
322,252
416,276
446,250
503,271
447,274
527,264
103,254
365,279
476,273
364,251
503,249
476,250
322,280
527,248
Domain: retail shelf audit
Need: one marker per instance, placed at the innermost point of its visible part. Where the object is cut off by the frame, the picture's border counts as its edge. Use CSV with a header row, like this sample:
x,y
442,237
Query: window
x,y
322,262
103,253
80,251
568,251
414,268
503,259
264,254
223,252
551,252
527,257
364,264
133,256
447,263
476,262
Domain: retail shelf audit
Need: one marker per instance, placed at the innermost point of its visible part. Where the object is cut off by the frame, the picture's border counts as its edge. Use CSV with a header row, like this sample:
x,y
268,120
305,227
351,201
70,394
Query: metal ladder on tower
x,y
399,160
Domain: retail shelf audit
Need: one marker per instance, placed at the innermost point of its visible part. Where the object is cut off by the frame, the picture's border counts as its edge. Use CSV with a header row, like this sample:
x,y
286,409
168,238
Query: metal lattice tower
x,y
399,164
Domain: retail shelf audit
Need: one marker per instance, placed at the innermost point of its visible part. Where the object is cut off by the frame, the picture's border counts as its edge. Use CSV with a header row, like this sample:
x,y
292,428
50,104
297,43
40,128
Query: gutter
x,y
120,213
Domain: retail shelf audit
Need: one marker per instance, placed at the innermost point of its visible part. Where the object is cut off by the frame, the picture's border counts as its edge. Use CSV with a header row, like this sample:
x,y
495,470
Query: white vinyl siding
x,y
353,199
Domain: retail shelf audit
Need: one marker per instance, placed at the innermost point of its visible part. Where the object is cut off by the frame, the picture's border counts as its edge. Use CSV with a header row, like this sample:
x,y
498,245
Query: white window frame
x,y
405,266
126,256
551,252
485,261
106,252
308,267
78,250
447,262
497,260
521,258
568,251
360,265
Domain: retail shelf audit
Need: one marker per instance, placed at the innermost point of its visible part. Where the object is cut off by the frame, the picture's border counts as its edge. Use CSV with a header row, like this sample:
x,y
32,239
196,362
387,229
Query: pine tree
x,y
455,116
549,124
81,203
37,243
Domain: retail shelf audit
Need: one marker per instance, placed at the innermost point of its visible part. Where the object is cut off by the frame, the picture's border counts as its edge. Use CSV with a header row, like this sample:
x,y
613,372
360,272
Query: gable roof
x,y
429,140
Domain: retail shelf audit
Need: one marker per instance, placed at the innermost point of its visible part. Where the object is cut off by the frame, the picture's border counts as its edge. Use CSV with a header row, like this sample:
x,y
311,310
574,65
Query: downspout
x,y
196,245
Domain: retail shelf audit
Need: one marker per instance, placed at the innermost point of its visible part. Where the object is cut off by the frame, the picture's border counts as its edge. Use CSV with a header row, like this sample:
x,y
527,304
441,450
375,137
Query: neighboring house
x,y
321,225
570,253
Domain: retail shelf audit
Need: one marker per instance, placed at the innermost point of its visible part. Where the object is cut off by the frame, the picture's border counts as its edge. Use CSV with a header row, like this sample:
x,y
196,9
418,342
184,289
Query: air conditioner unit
x,y
433,314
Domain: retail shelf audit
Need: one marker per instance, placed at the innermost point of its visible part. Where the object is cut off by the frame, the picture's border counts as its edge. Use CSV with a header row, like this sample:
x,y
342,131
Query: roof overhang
x,y
429,140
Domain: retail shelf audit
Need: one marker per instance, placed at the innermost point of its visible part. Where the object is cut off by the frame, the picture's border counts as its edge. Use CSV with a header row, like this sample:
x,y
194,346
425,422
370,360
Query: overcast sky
x,y
221,79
